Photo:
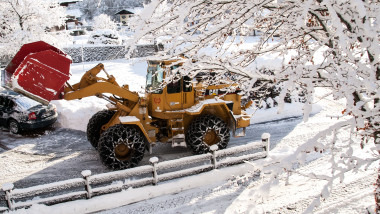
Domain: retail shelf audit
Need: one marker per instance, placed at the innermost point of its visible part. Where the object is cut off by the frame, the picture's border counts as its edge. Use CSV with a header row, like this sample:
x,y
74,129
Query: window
x,y
174,87
8,104
154,78
187,84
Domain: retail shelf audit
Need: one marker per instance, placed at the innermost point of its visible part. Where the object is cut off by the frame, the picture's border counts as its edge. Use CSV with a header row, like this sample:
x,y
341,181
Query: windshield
x,y
154,78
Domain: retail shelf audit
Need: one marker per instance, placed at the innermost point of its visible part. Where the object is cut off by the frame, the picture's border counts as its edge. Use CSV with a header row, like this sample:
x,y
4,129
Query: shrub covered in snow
x,y
103,21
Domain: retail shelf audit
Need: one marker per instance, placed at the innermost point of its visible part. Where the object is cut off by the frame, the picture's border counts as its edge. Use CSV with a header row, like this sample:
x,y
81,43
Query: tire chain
x,y
115,135
95,124
197,129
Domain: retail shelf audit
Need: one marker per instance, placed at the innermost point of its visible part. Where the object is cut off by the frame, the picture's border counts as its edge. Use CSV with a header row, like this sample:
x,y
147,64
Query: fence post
x,y
213,149
7,188
265,139
86,175
154,161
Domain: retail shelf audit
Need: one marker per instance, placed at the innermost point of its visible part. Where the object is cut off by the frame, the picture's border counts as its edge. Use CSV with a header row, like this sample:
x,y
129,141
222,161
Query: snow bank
x,y
289,110
75,114
131,195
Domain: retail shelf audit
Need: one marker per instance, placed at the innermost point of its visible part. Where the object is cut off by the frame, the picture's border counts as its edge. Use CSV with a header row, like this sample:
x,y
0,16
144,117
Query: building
x,y
66,3
124,16
73,22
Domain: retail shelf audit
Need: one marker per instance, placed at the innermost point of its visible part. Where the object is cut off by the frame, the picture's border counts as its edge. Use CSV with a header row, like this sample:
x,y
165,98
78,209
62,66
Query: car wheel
x,y
14,127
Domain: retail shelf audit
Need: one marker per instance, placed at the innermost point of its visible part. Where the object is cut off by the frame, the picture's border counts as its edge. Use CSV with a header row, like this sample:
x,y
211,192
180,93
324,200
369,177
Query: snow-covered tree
x,y
105,31
334,43
24,21
92,8
103,21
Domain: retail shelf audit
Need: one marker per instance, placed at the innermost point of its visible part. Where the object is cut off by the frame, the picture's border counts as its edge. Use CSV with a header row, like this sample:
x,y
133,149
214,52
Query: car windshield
x,y
25,102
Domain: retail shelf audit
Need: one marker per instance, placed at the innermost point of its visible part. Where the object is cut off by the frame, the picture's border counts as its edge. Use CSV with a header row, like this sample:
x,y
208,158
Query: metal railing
x,y
89,185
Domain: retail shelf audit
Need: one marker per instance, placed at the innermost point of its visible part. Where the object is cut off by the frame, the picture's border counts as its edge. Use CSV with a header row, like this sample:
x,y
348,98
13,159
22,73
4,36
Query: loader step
x,y
179,140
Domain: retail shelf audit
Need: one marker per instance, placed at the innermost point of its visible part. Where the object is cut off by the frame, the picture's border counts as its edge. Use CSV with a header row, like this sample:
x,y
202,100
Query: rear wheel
x,y
205,131
95,124
14,127
121,147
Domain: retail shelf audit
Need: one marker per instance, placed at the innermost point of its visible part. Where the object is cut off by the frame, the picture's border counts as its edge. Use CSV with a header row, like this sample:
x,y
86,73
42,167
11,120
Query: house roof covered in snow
x,y
124,12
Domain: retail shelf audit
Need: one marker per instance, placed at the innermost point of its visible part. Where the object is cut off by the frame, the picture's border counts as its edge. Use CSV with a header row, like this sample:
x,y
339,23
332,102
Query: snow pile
x,y
274,113
75,114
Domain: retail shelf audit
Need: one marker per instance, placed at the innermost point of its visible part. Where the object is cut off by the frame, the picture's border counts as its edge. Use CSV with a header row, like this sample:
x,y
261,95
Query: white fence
x,y
93,185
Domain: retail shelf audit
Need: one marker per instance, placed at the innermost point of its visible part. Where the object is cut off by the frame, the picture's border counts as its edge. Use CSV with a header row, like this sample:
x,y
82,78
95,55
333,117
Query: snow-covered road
x,y
59,153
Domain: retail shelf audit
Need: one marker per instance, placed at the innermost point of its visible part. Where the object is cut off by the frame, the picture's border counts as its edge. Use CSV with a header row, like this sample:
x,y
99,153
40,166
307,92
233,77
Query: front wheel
x,y
95,124
205,131
121,147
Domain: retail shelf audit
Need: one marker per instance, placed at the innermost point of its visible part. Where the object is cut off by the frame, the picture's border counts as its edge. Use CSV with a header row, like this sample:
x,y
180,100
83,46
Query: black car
x,y
21,113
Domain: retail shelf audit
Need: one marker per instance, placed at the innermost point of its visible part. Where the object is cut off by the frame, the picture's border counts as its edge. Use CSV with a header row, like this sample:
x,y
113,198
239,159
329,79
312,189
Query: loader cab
x,y
167,95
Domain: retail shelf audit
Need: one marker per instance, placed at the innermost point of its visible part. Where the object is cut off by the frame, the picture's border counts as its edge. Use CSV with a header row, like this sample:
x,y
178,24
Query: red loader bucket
x,y
38,71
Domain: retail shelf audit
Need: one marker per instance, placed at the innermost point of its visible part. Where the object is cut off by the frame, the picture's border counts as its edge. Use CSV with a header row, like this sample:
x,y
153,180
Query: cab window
x,y
154,78
175,85
187,84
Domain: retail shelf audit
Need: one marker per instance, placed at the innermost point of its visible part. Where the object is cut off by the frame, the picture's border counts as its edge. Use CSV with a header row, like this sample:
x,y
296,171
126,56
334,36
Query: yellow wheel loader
x,y
182,111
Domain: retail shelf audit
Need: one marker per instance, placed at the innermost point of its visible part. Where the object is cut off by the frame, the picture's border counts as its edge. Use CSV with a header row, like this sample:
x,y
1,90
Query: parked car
x,y
20,113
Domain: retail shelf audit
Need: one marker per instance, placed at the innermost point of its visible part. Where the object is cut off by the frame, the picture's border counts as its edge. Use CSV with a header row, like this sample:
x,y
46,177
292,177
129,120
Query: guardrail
x,y
93,185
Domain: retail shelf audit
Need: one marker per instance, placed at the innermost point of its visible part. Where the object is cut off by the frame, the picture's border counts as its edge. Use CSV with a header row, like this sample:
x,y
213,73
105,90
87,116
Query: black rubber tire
x,y
14,127
95,124
195,134
121,135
